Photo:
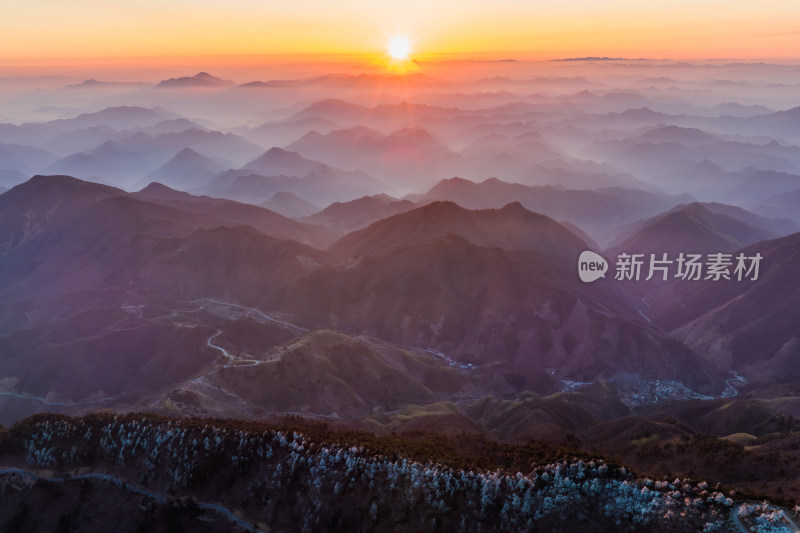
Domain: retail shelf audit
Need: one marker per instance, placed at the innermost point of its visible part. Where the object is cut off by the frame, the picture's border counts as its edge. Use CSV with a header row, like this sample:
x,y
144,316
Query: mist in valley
x,y
397,250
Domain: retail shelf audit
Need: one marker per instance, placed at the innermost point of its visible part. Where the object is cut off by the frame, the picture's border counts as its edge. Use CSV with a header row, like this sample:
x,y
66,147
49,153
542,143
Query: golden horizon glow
x,y
58,31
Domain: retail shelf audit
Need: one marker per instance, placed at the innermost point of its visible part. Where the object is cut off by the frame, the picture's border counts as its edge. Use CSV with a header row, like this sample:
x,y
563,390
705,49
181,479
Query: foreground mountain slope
x,y
749,326
278,478
331,374
485,305
105,363
91,311
27,208
53,242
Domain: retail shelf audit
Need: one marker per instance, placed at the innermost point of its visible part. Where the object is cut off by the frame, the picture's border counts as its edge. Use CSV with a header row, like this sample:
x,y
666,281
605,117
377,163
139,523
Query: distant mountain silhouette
x,y
781,123
283,133
336,110
737,109
592,211
777,226
230,212
359,213
758,185
24,158
200,80
126,159
290,205
117,118
276,161
187,170
665,153
384,117
677,134
325,146
260,85
704,178
210,143
92,84
278,170
81,140
526,148
409,155
691,228
9,178
122,117
784,204
360,141
174,125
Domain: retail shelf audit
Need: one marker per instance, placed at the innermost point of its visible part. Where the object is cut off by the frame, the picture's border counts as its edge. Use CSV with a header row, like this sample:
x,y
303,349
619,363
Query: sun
x,y
399,48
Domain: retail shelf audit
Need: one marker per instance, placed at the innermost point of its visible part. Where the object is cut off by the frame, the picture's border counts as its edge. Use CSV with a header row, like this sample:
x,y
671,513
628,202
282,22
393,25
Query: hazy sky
x,y
53,29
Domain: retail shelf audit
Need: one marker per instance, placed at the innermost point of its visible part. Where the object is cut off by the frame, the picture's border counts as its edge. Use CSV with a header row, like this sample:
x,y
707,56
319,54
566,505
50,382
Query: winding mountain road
x,y
235,361
254,310
47,402
641,312
158,496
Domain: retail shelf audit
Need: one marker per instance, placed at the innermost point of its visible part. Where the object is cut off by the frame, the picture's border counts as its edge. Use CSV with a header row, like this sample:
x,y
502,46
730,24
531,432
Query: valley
x,y
350,300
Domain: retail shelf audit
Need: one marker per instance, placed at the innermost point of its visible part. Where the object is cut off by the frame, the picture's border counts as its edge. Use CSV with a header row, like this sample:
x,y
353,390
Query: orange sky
x,y
44,30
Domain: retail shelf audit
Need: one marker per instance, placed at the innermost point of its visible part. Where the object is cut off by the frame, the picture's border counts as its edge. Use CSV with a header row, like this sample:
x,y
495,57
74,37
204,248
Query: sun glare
x,y
399,48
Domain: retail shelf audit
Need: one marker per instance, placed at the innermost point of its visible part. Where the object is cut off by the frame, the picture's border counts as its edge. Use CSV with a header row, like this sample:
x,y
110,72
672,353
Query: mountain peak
x,y
40,180
511,228
187,154
118,117
333,108
26,208
276,150
441,206
693,207
359,213
199,80
60,184
277,161
289,205
692,228
159,190
514,206
186,169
